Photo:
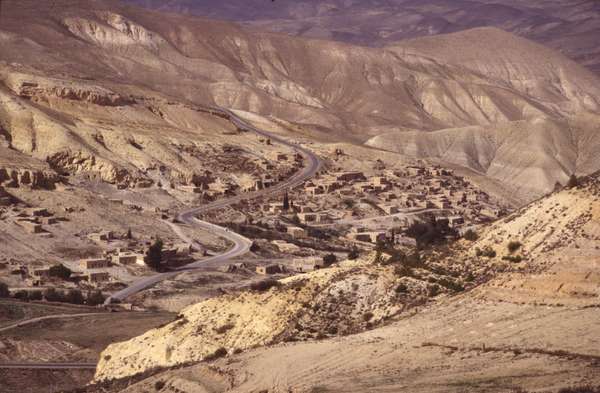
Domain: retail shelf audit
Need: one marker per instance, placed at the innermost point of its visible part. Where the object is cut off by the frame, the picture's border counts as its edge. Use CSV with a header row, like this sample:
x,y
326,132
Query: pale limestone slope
x,y
344,294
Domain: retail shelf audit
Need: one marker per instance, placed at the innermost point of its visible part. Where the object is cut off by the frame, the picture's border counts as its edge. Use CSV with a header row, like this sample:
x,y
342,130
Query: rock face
x,y
31,87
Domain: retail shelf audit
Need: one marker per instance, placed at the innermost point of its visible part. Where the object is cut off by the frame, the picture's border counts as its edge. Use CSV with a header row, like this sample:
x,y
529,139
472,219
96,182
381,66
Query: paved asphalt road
x,y
241,245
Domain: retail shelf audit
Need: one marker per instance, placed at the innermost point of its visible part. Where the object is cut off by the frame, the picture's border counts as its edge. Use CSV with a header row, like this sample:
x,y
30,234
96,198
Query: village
x,y
340,210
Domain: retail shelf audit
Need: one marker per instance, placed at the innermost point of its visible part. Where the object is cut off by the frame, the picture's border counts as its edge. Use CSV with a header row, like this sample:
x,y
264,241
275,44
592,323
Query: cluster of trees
x,y
430,232
73,296
329,260
154,255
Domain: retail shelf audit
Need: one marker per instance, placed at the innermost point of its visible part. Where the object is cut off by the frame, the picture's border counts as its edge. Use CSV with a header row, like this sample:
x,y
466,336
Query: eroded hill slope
x,y
117,59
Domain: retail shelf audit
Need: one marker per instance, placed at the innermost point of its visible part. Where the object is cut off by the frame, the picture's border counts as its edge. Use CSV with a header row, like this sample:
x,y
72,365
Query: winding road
x,y
241,244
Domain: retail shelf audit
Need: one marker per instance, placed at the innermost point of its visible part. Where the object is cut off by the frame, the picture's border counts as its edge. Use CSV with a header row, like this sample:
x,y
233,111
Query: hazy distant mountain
x,y
571,26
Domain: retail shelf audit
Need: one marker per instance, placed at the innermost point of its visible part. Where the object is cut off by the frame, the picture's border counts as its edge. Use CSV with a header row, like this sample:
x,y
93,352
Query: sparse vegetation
x,y
513,258
573,181
487,252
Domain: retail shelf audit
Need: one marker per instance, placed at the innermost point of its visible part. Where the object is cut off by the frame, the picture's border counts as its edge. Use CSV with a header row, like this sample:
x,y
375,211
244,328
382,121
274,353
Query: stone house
x,y
30,226
96,277
269,269
94,263
296,231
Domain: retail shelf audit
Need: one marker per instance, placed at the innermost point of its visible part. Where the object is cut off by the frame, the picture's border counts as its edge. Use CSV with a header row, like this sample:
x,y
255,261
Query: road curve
x,y
241,244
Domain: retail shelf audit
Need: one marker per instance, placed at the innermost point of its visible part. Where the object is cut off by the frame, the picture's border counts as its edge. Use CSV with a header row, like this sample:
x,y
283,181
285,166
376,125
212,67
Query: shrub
x,y
513,246
514,259
353,254
367,316
224,328
159,385
264,285
95,298
471,235
329,260
401,288
573,182
4,292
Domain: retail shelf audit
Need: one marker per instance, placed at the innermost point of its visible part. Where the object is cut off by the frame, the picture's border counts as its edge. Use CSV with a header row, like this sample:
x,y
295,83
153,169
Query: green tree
x,y
286,201
74,296
154,254
4,292
60,271
129,234
51,295
329,260
95,298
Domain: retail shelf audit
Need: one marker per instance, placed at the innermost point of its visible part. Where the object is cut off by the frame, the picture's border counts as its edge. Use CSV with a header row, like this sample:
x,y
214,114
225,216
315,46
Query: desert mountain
x,y
537,271
68,61
569,26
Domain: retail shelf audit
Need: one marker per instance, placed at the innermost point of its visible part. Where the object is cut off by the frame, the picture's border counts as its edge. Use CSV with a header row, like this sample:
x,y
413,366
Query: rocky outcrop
x,y
43,89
